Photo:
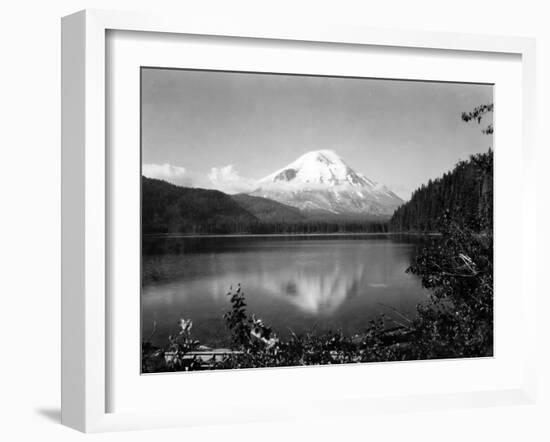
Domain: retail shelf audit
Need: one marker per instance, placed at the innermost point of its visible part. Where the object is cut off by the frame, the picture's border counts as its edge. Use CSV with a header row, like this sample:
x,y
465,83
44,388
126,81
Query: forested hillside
x,y
464,194
267,210
167,208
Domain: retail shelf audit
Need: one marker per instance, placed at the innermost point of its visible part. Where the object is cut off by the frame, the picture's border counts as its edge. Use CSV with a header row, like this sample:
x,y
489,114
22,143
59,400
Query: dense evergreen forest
x,y
166,208
269,211
464,194
313,226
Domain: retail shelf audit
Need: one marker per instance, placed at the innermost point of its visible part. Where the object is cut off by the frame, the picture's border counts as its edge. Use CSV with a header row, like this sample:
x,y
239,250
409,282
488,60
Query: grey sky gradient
x,y
399,133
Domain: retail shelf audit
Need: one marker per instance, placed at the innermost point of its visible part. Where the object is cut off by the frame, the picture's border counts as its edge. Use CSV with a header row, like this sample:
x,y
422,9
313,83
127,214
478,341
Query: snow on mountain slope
x,y
320,181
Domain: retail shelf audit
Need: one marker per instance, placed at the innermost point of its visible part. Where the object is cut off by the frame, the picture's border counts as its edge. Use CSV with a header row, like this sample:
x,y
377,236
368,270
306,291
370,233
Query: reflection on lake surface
x,y
293,283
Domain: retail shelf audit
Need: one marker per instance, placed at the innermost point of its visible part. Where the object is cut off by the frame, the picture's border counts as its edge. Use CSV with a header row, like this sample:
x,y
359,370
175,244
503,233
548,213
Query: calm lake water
x,y
298,283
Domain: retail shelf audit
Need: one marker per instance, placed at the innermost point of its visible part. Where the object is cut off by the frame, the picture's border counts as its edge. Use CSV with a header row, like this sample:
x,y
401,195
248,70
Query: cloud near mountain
x,y
225,178
166,172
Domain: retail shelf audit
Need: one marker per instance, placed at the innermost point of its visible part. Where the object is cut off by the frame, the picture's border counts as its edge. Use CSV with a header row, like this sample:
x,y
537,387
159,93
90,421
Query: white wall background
x,y
30,216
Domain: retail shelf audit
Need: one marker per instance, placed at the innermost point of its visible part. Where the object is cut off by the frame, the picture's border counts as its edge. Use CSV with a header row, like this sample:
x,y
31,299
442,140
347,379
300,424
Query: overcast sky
x,y
225,130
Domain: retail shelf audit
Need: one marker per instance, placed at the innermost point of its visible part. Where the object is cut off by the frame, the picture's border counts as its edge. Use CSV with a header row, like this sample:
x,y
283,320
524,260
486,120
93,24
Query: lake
x,y
299,283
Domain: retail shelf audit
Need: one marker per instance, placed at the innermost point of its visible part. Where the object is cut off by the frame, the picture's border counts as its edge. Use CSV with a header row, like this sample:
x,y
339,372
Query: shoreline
x,y
260,235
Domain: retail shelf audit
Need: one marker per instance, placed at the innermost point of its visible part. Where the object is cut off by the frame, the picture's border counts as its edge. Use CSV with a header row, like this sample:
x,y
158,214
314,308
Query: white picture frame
x,y
85,205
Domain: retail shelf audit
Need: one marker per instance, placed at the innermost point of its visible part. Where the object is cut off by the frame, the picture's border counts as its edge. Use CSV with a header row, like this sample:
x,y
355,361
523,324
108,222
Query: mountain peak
x,y
320,155
321,180
316,168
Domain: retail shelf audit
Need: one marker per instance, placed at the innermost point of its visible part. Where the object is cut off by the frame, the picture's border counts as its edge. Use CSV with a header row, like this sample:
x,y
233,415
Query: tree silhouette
x,y
477,115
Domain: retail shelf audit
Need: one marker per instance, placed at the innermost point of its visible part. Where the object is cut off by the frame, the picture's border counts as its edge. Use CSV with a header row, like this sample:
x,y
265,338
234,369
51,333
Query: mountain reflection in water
x,y
299,285
314,290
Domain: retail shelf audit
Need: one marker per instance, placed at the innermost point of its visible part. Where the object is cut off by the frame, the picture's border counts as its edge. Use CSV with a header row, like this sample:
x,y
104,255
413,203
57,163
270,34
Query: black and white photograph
x,y
279,220
298,220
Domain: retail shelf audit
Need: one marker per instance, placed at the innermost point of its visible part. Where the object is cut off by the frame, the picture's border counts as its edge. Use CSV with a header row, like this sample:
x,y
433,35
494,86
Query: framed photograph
x,y
310,217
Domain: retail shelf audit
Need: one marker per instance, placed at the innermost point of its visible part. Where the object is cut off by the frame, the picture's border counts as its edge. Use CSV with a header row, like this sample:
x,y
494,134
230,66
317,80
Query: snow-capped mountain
x,y
320,181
